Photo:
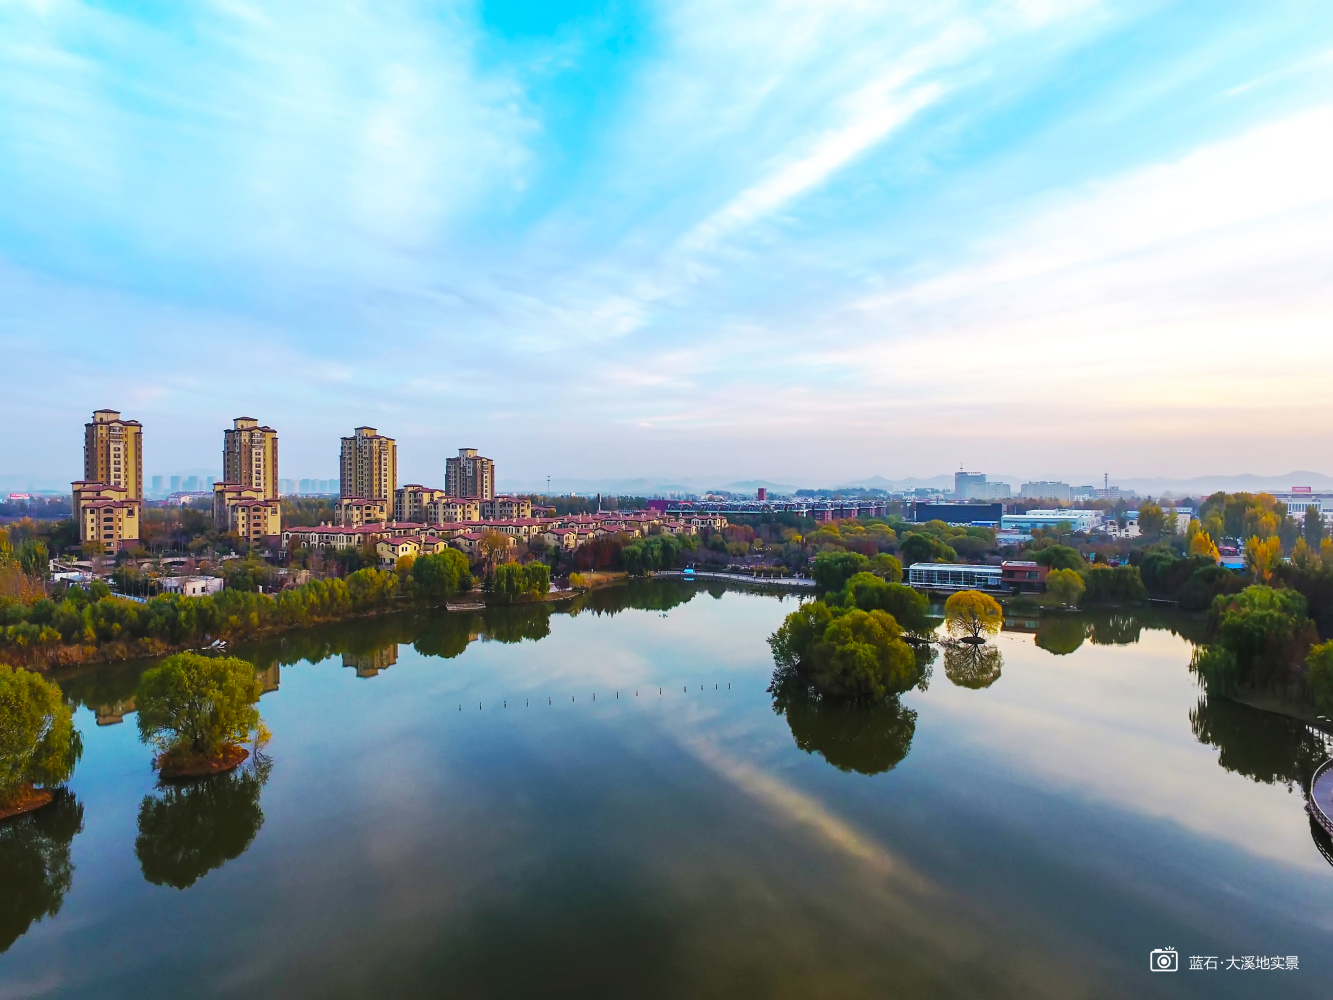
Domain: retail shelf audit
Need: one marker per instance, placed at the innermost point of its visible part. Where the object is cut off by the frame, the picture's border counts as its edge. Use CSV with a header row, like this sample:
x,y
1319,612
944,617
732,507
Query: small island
x,y
198,710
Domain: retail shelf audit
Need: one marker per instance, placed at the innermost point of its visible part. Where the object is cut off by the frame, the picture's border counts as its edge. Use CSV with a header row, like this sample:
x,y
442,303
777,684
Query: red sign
x,y
20,496
1300,489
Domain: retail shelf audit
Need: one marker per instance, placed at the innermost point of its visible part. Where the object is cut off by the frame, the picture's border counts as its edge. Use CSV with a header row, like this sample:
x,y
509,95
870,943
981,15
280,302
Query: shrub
x,y
197,706
39,745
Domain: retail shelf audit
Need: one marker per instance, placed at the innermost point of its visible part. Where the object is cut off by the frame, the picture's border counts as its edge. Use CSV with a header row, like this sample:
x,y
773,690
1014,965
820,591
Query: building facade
x,y
369,468
1044,490
450,510
969,486
250,456
506,508
1078,520
351,512
955,576
470,475
108,518
409,502
113,452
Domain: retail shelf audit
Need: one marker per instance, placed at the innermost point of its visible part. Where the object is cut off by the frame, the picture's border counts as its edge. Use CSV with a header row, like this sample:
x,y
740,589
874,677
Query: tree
x,y
1059,557
442,574
910,608
1152,520
887,567
921,546
1319,674
194,707
1313,528
832,570
493,545
1262,555
1065,585
1202,545
972,614
39,745
862,655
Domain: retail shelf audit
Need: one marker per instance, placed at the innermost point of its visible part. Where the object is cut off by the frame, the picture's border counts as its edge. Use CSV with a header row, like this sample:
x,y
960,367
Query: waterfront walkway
x,y
1321,796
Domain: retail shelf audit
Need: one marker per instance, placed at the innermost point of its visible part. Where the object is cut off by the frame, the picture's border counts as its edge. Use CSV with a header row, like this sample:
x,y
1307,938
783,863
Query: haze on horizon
x,y
798,242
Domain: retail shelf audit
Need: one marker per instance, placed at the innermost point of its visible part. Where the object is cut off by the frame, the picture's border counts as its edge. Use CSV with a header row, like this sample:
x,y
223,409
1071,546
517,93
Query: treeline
x,y
85,618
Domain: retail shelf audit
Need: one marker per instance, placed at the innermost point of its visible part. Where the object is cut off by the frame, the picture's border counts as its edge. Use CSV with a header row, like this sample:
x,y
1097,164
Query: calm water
x,y
448,810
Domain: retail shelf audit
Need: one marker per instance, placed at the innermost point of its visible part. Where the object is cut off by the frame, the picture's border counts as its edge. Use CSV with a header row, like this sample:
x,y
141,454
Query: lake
x,y
524,803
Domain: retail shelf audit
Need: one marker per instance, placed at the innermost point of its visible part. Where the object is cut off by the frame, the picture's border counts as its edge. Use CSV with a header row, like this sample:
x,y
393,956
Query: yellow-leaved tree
x,y
1262,555
1202,545
972,615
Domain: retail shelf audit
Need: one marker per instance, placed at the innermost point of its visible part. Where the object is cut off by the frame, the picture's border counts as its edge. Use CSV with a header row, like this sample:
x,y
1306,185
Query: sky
x,y
801,242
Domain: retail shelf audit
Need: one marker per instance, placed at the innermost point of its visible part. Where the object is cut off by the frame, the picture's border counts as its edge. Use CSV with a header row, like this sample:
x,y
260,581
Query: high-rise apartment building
x,y
108,500
369,466
113,453
250,457
470,475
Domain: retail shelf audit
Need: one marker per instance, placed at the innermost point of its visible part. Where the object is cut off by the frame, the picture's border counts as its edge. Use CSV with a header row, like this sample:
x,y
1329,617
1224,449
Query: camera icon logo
x,y
1163,960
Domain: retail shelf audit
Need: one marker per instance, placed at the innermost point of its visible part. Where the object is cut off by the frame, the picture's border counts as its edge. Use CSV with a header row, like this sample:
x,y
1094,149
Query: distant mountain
x,y
1246,482
750,485
910,483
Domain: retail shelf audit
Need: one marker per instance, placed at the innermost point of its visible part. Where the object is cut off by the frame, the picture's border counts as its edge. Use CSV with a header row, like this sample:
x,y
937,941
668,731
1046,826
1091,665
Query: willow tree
x,y
972,615
197,710
39,745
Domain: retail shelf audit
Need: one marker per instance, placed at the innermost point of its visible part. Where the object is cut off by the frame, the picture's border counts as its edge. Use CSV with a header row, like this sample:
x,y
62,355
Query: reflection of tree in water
x,y
925,664
638,594
1263,746
516,622
1117,628
850,735
973,665
192,827
1062,634
35,870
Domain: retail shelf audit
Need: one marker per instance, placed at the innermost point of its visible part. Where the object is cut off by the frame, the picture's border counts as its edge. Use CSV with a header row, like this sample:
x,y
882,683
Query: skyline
x,y
802,244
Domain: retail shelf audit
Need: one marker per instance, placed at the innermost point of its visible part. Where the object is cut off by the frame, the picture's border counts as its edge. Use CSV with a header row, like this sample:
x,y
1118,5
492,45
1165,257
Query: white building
x,y
192,586
954,576
1079,520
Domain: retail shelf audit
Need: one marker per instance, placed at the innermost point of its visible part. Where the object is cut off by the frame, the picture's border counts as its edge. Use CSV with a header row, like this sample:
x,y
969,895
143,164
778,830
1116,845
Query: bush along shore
x,y
90,624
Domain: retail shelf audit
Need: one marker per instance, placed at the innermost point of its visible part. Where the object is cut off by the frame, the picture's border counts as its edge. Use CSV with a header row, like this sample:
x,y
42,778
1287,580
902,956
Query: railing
x,y
1323,771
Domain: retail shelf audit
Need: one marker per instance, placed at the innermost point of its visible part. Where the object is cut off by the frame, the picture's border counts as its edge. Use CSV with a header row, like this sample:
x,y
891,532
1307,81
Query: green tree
x,y
799,631
832,570
39,745
1065,585
1152,520
910,608
921,546
1319,674
193,706
441,575
972,614
1059,557
887,567
1313,528
862,655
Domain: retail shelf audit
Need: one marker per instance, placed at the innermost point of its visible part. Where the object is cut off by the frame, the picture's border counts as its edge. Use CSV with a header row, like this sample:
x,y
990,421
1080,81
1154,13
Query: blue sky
x,y
806,242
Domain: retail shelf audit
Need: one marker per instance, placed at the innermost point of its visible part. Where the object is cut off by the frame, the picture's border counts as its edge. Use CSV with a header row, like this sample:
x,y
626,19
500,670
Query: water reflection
x,y
1062,634
973,665
371,663
35,868
1265,747
190,828
852,736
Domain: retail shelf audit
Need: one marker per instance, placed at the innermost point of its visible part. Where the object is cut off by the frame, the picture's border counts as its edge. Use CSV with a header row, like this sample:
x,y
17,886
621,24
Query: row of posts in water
x,y
527,702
